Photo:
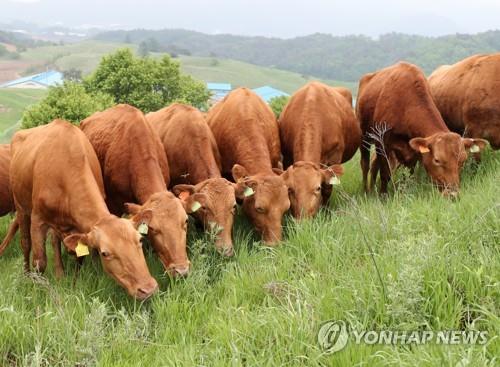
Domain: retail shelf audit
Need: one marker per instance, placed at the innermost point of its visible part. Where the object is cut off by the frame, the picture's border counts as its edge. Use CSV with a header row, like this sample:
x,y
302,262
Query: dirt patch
x,y
12,69
4,109
9,47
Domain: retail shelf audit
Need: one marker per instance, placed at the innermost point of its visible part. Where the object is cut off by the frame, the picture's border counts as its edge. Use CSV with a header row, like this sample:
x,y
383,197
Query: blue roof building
x,y
38,81
267,93
219,90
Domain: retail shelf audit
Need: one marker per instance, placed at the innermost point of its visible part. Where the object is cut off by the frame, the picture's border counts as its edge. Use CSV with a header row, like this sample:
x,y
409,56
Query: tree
x,y
68,101
146,83
277,104
73,75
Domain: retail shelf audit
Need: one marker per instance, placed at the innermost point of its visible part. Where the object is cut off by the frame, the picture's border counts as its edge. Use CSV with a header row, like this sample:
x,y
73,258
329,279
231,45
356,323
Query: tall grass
x,y
438,268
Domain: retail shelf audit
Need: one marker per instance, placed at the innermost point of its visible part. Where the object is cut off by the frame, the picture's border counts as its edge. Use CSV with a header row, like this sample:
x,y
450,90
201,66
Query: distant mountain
x,y
332,57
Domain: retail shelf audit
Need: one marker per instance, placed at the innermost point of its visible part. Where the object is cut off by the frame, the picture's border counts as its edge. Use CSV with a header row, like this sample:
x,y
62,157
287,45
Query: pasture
x,y
12,104
410,261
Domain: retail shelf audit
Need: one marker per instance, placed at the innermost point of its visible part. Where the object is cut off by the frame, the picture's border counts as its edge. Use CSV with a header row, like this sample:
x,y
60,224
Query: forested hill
x,y
342,58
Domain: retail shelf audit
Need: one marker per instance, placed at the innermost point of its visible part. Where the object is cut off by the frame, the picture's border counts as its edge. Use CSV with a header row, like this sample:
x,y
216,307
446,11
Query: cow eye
x,y
437,162
318,189
260,209
104,253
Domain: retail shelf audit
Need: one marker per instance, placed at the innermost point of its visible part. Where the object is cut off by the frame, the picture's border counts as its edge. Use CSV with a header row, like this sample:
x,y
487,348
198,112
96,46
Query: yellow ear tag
x,y
196,205
248,192
81,250
334,180
143,229
474,148
424,150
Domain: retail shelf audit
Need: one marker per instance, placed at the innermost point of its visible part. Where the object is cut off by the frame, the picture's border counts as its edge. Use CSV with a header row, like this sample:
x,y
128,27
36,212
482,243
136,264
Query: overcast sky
x,y
281,18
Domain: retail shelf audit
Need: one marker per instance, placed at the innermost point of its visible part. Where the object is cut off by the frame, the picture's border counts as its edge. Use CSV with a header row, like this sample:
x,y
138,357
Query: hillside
x,y
86,55
322,55
12,104
243,74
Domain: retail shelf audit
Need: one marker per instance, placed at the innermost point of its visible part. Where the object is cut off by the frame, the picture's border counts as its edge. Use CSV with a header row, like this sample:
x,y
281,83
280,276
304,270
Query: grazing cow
x,y
56,183
6,199
398,115
467,94
194,162
136,175
318,131
247,135
344,92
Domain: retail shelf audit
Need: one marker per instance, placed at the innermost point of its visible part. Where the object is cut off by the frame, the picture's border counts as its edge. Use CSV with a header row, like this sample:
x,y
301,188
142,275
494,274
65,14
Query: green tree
x,y
73,74
68,101
277,104
146,83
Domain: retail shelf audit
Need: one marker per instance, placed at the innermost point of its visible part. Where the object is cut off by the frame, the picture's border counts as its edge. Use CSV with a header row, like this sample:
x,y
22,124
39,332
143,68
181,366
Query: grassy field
x,y
243,74
439,269
12,104
86,55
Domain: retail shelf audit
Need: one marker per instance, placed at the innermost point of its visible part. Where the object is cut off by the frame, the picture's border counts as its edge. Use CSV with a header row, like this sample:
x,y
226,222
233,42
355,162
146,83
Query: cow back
x,y
246,132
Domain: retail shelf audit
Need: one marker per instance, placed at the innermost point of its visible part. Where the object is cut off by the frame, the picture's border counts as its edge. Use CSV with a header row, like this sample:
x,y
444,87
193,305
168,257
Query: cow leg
x,y
56,245
11,232
24,225
374,169
385,172
365,161
38,235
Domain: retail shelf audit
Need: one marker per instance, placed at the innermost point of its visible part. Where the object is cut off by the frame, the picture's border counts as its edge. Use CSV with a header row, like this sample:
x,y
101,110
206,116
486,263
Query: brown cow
x,y
135,171
317,127
194,162
56,183
6,199
344,92
247,135
467,94
398,115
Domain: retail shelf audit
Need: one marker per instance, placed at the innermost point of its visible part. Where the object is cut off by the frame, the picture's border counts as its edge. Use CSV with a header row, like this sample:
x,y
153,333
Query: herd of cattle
x,y
122,175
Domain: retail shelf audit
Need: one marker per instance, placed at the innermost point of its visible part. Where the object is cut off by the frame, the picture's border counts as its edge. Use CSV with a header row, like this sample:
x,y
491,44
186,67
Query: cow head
x,y
217,210
443,155
163,219
120,249
308,185
265,200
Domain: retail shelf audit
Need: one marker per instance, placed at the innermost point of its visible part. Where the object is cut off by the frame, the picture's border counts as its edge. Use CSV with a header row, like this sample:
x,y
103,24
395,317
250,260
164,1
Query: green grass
x,y
439,267
243,74
12,104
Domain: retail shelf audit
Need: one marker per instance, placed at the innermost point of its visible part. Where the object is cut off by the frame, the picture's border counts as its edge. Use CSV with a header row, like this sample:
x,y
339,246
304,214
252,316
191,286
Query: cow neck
x,y
147,180
435,125
203,168
89,212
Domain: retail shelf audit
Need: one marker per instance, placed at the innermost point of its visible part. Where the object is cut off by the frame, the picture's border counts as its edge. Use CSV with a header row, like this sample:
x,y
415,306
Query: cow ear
x,y
332,173
245,189
194,202
420,145
183,191
474,145
239,172
143,217
73,241
131,208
